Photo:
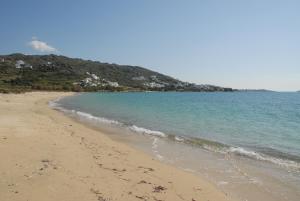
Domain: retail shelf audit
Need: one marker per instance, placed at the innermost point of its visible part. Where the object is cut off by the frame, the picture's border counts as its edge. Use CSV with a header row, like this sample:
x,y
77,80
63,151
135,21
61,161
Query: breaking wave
x,y
262,157
146,131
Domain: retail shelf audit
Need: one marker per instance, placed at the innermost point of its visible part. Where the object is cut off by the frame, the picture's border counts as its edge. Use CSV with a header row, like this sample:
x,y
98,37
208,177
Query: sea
x,y
245,143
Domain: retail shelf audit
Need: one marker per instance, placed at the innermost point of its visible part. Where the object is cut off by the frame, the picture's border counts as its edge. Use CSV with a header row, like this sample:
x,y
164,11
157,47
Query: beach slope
x,y
48,156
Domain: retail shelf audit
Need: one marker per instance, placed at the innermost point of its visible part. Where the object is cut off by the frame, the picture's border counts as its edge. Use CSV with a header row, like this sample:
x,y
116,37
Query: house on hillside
x,y
154,85
20,64
113,84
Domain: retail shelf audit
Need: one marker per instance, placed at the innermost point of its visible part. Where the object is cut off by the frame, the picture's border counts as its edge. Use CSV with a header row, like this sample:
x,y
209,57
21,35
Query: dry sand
x,y
45,155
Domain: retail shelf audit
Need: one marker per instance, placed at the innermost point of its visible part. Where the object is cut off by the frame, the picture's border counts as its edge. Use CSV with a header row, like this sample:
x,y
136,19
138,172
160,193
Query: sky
x,y
231,43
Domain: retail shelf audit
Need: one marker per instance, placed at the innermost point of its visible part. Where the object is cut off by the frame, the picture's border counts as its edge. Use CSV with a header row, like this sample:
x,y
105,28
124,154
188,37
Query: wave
x,y
154,149
90,117
259,156
146,131
179,139
199,142
240,151
82,115
54,103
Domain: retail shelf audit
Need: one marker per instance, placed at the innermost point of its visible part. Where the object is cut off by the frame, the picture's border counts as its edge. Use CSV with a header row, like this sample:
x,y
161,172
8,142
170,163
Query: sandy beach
x,y
48,156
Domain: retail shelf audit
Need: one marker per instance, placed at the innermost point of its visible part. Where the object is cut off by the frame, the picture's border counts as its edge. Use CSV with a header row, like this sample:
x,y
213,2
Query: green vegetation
x,y
19,73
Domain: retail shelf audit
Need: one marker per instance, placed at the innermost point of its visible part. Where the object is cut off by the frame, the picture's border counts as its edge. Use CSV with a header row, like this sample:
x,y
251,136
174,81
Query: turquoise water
x,y
259,125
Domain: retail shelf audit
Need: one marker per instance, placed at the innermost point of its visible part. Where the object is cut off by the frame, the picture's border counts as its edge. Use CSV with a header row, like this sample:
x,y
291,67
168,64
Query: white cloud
x,y
41,46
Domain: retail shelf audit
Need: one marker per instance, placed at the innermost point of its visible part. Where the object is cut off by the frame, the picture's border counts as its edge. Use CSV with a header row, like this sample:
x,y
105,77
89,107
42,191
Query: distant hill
x,y
19,72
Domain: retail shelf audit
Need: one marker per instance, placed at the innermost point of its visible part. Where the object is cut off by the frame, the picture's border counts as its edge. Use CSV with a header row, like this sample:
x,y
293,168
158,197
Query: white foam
x,y
146,131
54,103
160,157
242,151
179,139
87,116
188,170
220,183
83,115
258,156
154,149
95,119
154,143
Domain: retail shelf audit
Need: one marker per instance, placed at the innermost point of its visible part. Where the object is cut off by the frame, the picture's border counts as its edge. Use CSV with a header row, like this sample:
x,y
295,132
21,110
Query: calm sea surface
x,y
258,126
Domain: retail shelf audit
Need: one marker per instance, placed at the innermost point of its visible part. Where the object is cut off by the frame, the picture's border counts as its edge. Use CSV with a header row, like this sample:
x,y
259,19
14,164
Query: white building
x,y
95,77
113,84
154,85
154,78
20,64
87,80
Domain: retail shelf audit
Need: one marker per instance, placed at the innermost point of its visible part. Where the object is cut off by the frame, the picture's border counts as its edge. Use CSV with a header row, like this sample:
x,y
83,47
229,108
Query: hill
x,y
19,72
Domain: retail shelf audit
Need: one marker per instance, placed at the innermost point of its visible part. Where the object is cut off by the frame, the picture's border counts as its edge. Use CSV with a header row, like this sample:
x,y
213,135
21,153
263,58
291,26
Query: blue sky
x,y
232,43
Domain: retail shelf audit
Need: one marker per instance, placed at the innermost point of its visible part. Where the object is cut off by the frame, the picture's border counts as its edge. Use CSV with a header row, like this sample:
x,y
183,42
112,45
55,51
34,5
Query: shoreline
x,y
49,156
238,176
98,123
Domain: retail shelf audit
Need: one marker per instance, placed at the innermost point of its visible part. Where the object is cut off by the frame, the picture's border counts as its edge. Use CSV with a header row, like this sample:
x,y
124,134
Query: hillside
x,y
19,72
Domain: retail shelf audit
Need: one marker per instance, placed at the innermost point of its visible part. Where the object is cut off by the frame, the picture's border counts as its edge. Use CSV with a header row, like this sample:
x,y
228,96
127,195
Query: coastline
x,y
49,156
